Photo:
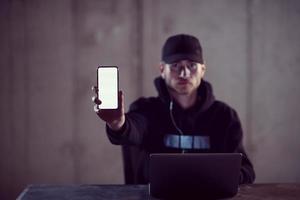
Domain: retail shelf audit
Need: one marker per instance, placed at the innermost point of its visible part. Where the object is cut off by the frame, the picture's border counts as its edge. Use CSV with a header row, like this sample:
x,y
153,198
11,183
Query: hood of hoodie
x,y
205,94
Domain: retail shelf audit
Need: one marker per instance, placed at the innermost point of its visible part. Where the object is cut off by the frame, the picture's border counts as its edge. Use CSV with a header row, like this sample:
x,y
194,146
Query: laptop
x,y
194,175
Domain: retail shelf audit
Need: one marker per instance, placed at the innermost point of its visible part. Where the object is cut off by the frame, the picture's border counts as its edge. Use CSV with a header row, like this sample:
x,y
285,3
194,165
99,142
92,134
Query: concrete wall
x,y
275,110
49,51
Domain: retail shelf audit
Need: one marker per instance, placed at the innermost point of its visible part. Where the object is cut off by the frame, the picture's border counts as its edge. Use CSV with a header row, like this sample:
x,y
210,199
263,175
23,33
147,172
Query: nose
x,y
184,72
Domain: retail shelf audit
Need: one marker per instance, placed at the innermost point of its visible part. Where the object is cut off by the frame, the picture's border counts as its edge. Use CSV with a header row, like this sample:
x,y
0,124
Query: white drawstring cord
x,y
175,125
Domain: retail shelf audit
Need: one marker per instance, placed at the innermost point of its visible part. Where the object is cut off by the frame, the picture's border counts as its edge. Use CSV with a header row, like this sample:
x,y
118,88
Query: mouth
x,y
183,81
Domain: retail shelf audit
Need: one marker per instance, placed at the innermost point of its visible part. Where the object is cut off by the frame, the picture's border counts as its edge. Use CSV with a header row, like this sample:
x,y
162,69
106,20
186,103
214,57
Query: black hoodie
x,y
148,123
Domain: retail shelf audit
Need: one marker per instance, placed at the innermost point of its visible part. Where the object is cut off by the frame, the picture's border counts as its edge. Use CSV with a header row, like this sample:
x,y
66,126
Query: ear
x,y
203,69
162,69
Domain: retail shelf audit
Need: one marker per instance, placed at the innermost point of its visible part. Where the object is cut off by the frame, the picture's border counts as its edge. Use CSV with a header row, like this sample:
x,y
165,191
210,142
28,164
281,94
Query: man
x,y
185,117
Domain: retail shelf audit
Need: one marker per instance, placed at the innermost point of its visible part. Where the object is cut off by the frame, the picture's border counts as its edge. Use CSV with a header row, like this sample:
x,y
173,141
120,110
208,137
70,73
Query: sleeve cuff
x,y
118,133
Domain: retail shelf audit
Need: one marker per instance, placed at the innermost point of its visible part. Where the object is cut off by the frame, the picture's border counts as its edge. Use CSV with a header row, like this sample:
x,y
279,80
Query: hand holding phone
x,y
109,101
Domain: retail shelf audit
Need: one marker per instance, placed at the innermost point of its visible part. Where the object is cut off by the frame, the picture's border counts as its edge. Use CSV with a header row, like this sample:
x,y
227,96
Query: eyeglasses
x,y
177,67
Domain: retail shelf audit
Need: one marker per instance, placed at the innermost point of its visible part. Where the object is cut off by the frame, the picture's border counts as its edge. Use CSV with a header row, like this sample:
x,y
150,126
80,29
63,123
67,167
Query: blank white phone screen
x,y
108,87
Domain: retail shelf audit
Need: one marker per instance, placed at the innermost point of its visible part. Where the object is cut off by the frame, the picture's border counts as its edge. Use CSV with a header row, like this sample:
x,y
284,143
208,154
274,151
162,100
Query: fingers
x,y
119,111
95,88
96,100
96,109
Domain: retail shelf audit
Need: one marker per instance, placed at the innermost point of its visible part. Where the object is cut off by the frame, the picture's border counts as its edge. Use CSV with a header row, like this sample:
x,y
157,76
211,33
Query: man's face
x,y
182,77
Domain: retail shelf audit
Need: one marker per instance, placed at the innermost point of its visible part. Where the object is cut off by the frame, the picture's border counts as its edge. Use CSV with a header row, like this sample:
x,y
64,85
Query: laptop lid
x,y
194,175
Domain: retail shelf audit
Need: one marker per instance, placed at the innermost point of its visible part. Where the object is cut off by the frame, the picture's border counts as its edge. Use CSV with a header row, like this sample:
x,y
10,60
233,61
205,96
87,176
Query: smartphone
x,y
108,86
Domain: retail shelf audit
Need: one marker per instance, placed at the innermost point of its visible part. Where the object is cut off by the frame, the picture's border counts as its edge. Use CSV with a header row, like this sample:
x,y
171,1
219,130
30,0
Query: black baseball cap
x,y
182,47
